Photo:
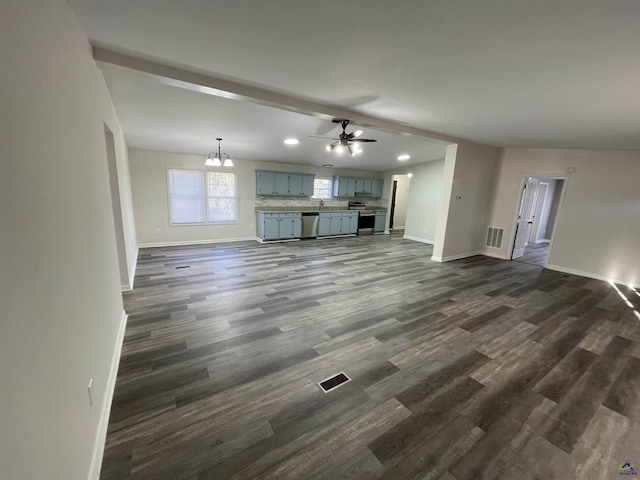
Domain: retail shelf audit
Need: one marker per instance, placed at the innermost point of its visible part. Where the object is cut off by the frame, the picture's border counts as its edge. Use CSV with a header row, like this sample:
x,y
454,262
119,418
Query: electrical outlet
x,y
90,391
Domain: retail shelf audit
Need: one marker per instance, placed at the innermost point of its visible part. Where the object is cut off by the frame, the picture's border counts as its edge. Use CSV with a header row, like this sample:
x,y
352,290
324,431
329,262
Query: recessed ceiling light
x,y
328,165
292,141
404,157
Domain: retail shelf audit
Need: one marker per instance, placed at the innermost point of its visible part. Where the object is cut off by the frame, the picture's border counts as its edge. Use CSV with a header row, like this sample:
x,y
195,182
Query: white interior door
x,y
541,202
525,216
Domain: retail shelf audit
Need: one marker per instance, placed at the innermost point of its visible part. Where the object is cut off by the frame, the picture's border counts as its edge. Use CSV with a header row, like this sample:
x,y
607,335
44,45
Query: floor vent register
x,y
334,382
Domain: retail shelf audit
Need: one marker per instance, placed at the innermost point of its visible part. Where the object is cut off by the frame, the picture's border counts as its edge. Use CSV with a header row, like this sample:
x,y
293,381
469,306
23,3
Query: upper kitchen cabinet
x,y
351,187
284,183
376,188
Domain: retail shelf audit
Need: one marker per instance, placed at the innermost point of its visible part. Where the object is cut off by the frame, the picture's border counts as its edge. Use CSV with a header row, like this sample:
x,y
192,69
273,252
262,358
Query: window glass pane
x,y
222,197
322,188
186,197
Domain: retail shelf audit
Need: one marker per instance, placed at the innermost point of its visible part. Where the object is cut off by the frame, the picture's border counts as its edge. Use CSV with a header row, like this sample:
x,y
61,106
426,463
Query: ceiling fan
x,y
346,141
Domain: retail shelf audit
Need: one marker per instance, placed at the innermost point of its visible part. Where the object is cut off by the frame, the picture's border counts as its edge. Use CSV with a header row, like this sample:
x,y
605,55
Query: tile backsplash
x,y
307,202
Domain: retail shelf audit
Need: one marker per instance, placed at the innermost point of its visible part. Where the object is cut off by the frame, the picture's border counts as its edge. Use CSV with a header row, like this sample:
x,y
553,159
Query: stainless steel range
x,y
366,218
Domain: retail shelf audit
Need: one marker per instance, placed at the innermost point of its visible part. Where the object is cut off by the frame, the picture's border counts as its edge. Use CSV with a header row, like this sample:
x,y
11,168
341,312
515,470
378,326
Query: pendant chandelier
x,y
217,159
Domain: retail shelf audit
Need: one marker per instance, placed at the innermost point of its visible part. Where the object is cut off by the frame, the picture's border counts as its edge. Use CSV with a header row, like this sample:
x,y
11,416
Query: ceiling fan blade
x,y
316,136
364,140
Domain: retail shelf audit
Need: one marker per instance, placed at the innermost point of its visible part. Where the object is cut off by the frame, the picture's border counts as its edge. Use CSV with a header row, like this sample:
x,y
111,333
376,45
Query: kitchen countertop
x,y
311,209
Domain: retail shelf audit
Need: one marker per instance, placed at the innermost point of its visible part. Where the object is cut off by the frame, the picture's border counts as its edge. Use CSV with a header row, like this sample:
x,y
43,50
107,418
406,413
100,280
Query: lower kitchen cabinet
x,y
381,220
324,224
278,226
337,223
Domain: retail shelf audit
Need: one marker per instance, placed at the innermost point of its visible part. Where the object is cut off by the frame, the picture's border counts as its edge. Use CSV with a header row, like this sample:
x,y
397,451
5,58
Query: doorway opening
x,y
116,206
399,202
536,219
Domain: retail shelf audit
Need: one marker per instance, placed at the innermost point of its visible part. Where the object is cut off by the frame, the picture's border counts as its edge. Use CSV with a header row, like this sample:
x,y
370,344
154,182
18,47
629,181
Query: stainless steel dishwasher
x,y
310,224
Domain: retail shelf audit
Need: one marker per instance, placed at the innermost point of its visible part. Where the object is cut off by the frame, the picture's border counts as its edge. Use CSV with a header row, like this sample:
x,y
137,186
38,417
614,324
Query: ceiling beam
x,y
220,87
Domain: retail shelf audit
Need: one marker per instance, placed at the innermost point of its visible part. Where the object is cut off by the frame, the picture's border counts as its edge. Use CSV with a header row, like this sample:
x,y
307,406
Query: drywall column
x,y
62,318
465,201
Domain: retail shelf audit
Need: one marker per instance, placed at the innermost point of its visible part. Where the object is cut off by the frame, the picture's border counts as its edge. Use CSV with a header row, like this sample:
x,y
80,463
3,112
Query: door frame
x,y
394,189
556,223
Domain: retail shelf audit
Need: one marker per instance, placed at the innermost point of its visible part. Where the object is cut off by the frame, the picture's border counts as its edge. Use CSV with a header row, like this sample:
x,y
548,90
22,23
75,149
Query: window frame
x,y
205,198
330,179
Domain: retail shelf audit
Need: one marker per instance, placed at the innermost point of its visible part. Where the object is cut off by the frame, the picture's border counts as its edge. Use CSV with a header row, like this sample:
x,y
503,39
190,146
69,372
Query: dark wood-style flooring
x,y
473,369
535,253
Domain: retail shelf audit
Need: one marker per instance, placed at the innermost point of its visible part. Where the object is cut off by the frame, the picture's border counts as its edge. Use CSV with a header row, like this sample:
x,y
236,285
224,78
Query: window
x,y
196,196
322,188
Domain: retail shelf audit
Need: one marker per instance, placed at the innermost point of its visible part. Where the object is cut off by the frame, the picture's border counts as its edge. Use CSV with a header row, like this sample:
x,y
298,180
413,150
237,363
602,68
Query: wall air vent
x,y
494,237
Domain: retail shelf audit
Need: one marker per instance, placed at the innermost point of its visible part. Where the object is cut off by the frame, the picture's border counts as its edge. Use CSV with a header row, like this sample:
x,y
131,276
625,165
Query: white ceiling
x,y
162,117
549,73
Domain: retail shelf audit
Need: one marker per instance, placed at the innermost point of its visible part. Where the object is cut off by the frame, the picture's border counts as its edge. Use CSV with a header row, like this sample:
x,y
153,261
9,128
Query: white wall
x,y
59,281
149,184
465,200
402,200
598,228
423,201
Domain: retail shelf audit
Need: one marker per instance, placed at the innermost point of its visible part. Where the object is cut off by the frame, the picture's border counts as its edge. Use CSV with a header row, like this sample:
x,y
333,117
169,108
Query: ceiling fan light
x,y
329,148
357,133
339,149
291,141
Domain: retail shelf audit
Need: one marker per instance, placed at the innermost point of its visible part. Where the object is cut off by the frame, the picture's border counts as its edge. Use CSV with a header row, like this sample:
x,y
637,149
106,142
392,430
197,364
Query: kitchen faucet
x,y
321,204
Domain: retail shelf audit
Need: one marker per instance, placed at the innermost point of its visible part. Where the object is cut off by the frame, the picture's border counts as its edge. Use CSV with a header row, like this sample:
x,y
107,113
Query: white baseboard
x,y
542,240
195,242
101,434
418,239
278,241
336,236
455,257
501,256
595,276
398,228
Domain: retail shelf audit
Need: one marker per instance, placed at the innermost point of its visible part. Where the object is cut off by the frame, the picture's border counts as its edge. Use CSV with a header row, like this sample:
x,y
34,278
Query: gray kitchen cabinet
x,y
336,224
352,186
363,185
352,221
376,188
265,182
343,186
381,220
307,185
301,184
268,226
284,183
324,224
281,186
278,226
290,226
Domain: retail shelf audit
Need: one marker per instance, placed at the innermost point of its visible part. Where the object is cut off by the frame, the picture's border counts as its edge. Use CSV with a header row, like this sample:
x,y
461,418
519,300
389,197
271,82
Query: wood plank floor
x,y
473,369
535,253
